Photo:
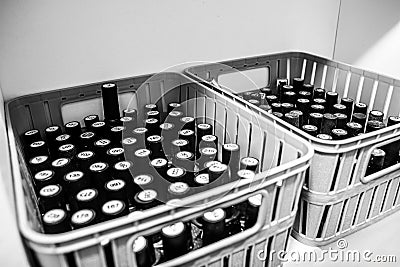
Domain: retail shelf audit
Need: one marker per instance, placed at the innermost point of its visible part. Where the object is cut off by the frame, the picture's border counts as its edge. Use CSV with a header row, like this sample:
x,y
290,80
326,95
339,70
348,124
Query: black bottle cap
x,y
319,93
292,118
75,181
109,94
353,129
144,252
73,128
63,139
310,129
308,87
87,199
146,199
43,178
331,100
349,103
38,148
340,108
188,123
114,208
276,107
176,174
214,226
150,107
325,137
101,146
56,221
360,108
298,83
52,132
289,97
86,140
90,119
116,134
51,197
254,102
116,189
178,190
99,128
376,115
31,136
174,106
287,107
99,172
67,151
392,120
153,126
305,95
317,109
328,123
155,144
219,172
339,134
278,114
341,120
360,118
84,159
249,163
83,218
374,126
271,99
316,120
176,240
39,163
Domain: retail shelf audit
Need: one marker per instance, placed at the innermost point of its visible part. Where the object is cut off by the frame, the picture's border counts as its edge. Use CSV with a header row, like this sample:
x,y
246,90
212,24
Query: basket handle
x,y
207,250
365,158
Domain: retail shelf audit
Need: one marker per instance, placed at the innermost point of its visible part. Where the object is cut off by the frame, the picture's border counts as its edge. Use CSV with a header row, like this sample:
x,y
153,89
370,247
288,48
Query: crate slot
x,y
385,195
337,168
303,228
342,215
249,251
388,100
360,197
323,221
371,204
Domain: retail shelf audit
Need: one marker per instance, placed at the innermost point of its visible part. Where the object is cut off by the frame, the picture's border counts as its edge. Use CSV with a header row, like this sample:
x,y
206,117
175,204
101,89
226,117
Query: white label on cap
x,y
154,138
60,162
113,207
152,113
147,195
376,113
87,135
86,194
139,244
151,120
310,127
174,105
204,126
316,115
63,137
82,216
73,176
102,142
178,188
98,124
116,151
184,155
215,215
49,190
143,152
140,130
116,184
91,117
130,110
43,175
187,119
66,147
126,119
175,172
173,229
31,132
211,163
180,142
186,132
72,124
218,168
361,105
122,165
250,161
142,179
85,154
54,216
209,138
203,178
159,162
38,159
166,126
109,85
175,113
129,141
52,128
117,129
209,151
98,166
255,200
339,131
150,106
246,174
37,144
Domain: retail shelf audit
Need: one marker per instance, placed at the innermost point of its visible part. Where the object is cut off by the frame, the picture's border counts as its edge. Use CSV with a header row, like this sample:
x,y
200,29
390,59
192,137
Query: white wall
x,y
369,35
54,44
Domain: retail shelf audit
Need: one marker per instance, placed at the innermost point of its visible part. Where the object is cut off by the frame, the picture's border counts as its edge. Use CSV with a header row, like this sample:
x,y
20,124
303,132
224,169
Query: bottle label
x,y
98,167
180,142
173,229
87,135
113,207
50,190
116,151
52,129
203,178
103,142
178,188
115,185
187,119
140,130
44,175
142,153
209,138
175,113
166,126
142,179
175,172
246,174
54,216
255,200
231,147
154,138
74,176
160,162
38,159
139,244
85,154
216,215
82,216
37,144
117,129
204,126
98,124
186,132
63,137
147,195
129,141
31,132
184,155
67,147
122,165
72,124
61,162
249,161
209,151
86,194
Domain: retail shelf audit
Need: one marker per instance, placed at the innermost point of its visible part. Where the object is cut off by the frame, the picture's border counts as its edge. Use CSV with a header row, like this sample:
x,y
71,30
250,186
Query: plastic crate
x,y
338,199
284,160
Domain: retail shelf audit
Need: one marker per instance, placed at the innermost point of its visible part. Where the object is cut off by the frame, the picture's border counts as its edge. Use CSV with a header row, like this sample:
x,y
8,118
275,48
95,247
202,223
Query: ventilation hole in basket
x,y
256,63
287,237
342,213
385,195
28,110
357,208
132,86
248,256
304,218
323,221
338,163
81,95
226,261
280,152
267,252
109,255
71,262
47,113
263,151
250,136
98,92
353,169
307,178
396,195
245,65
63,98
371,204
276,202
